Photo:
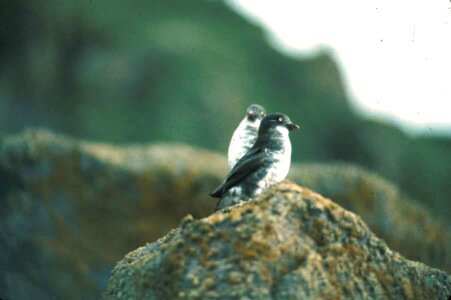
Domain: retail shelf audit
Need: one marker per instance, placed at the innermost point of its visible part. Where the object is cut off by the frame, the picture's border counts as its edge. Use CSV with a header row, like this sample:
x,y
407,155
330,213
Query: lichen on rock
x,y
406,225
72,208
289,243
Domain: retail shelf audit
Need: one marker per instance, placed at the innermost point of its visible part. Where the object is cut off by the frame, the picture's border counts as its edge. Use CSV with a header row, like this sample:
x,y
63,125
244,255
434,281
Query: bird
x,y
245,134
266,163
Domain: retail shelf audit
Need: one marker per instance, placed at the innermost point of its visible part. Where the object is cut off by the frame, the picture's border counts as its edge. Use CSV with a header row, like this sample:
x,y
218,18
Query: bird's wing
x,y
245,166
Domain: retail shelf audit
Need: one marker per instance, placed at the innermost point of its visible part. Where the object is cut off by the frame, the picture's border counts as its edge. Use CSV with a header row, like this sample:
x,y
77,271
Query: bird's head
x,y
277,122
255,112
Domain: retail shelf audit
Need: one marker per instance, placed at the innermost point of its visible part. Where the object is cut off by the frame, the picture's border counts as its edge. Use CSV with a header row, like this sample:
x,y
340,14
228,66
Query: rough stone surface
x,y
406,225
289,243
71,209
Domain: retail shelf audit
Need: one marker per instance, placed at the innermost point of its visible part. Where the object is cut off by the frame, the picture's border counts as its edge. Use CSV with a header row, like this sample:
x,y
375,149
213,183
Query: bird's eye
x,y
280,120
262,113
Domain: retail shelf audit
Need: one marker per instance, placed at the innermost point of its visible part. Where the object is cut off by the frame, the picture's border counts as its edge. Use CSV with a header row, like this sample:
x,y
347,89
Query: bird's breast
x,y
277,168
281,162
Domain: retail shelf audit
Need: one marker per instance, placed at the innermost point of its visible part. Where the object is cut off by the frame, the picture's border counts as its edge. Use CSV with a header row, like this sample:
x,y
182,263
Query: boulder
x,y
405,224
70,209
289,243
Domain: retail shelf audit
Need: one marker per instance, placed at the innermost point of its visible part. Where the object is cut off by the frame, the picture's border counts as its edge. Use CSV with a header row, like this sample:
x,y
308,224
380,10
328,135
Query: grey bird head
x,y
255,112
245,134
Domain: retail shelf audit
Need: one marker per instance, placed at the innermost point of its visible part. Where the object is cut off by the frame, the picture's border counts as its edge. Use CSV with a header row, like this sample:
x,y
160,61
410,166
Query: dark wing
x,y
245,166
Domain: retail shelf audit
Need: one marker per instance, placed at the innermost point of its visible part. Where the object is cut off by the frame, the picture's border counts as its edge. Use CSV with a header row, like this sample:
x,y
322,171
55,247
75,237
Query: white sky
x,y
394,55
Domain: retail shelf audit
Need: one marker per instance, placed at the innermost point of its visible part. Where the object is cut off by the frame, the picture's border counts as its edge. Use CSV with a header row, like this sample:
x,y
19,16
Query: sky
x,y
395,56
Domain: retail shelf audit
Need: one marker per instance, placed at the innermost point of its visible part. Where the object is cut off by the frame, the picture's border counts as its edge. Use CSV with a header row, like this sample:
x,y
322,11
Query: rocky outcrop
x,y
71,209
406,225
289,243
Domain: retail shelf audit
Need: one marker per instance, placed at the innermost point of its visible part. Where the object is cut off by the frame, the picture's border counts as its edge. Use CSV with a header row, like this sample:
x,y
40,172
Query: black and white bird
x,y
267,162
245,134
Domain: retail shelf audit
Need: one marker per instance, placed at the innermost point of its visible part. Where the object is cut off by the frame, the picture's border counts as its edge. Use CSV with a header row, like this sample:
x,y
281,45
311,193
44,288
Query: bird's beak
x,y
292,126
250,114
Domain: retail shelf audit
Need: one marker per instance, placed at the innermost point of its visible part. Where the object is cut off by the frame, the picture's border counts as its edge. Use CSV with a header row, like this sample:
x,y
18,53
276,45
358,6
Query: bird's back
x,y
243,139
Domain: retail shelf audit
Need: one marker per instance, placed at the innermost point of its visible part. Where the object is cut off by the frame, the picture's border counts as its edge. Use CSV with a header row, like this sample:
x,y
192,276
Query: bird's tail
x,y
216,193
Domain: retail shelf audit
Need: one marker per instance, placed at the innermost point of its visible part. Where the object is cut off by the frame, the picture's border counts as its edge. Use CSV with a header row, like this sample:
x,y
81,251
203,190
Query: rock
x,y
289,243
71,209
406,225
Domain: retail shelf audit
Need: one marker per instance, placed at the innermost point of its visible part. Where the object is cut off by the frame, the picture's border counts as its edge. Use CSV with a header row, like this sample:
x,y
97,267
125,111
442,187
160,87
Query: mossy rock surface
x,y
405,224
72,208
289,243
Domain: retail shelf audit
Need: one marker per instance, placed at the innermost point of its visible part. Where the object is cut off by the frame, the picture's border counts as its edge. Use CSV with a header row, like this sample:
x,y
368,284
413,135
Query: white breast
x,y
243,139
282,162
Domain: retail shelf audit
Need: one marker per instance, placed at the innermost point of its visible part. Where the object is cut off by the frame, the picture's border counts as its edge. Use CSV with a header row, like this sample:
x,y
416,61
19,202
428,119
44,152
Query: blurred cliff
x,y
185,71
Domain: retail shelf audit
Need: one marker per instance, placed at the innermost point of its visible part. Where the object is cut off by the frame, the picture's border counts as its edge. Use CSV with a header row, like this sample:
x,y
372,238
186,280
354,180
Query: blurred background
x,y
144,71
364,90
